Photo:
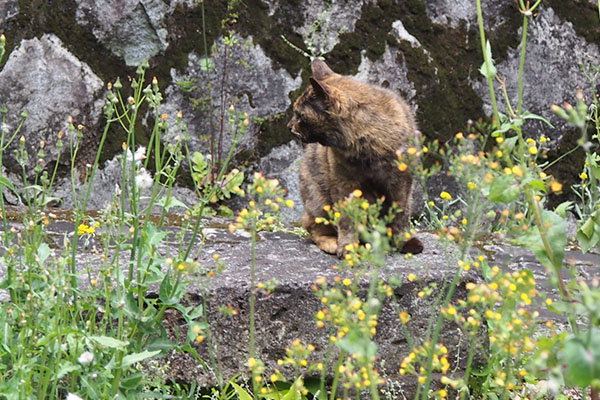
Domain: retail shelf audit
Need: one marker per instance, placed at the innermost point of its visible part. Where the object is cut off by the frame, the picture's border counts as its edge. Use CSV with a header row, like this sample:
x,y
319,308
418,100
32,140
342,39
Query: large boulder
x,y
47,81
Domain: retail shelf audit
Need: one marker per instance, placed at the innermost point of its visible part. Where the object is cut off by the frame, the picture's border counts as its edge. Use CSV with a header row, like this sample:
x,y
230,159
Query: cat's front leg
x,y
346,235
401,199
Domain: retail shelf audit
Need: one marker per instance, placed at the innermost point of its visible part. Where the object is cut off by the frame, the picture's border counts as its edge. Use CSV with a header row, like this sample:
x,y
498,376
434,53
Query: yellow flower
x,y
289,203
445,196
583,176
347,282
357,193
556,186
499,139
471,185
517,171
411,277
404,317
533,150
411,150
402,166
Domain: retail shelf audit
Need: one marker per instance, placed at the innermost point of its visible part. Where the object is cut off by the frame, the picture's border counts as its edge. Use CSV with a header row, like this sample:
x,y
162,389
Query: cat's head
x,y
316,112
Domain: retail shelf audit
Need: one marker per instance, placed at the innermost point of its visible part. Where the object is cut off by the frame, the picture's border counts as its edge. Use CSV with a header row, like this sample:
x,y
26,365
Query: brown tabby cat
x,y
352,132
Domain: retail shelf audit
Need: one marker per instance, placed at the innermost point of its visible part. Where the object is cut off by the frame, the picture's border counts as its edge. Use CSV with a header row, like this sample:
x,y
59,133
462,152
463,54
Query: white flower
x,y
86,358
5,128
143,179
140,154
72,396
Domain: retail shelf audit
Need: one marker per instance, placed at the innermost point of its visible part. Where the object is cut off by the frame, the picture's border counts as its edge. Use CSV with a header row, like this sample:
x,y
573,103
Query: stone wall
x,y
60,52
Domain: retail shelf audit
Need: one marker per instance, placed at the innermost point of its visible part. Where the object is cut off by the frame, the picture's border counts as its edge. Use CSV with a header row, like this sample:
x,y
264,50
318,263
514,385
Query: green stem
x,y
522,66
253,302
487,61
336,375
469,363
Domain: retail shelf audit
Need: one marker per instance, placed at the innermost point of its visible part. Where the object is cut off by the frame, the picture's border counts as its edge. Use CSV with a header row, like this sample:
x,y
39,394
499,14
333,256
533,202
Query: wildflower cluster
x,y
263,211
84,229
414,364
297,358
353,324
504,305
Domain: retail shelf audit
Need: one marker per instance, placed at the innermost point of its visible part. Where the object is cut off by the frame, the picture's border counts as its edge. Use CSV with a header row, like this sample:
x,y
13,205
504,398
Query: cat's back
x,y
373,110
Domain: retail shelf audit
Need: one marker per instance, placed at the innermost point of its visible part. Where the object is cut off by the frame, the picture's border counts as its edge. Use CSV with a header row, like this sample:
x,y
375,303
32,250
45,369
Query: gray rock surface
x,y
240,75
131,29
44,78
8,9
283,163
325,21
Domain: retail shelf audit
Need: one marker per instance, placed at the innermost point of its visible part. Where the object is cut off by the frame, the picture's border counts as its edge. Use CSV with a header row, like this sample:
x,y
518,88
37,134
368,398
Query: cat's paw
x,y
412,246
328,244
342,250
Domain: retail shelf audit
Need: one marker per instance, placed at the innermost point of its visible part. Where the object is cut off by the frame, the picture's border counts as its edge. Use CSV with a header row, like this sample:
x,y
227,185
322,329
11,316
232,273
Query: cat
x,y
352,132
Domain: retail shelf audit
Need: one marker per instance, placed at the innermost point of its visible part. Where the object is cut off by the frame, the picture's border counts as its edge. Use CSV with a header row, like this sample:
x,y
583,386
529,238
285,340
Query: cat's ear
x,y
321,90
320,70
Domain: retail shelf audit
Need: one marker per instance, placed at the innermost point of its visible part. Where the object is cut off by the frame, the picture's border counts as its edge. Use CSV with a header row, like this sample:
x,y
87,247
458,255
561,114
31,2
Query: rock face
x,y
210,55
288,313
43,78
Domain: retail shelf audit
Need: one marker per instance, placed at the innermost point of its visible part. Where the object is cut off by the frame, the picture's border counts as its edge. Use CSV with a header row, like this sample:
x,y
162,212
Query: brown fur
x,y
352,131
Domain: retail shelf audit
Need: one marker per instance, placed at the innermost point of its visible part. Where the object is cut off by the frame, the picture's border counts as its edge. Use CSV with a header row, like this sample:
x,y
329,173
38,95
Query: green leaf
x,y
242,394
509,143
6,183
66,368
556,236
537,184
139,357
563,208
153,236
132,381
588,228
169,202
504,189
528,115
293,393
491,74
107,341
357,343
43,252
595,170
586,243
582,357
161,344
206,64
